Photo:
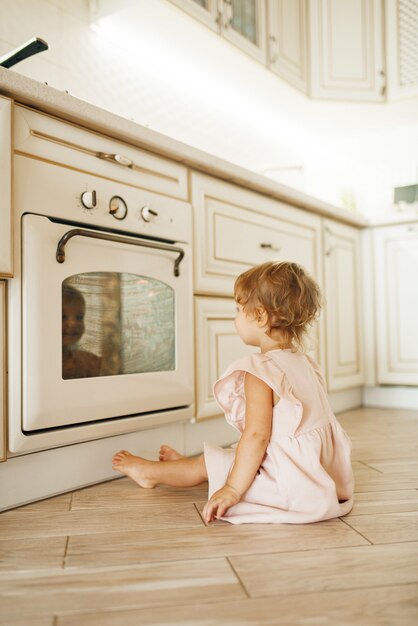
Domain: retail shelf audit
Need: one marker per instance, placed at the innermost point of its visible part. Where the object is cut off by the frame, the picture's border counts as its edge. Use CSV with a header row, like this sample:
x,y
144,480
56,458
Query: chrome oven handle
x,y
60,255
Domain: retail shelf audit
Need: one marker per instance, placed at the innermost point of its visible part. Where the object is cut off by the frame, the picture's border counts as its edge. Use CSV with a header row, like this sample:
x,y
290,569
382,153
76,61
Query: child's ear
x,y
261,316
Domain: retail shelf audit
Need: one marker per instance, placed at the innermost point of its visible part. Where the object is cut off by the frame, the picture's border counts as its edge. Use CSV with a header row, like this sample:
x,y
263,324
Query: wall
x,y
164,70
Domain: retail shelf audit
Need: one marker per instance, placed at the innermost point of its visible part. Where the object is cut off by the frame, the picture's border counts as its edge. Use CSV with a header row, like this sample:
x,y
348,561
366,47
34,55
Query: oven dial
x,y
147,214
118,208
88,199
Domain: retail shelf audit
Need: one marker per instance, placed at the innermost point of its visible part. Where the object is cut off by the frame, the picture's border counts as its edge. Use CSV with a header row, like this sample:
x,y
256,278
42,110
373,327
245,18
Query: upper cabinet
x,y
401,34
365,50
242,22
287,23
6,256
346,51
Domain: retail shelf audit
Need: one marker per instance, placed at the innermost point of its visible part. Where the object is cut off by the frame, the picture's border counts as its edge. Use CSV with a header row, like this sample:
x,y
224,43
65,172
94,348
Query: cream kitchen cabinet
x,y
396,314
3,404
346,49
217,345
206,11
401,35
51,139
6,235
342,263
235,229
287,41
242,22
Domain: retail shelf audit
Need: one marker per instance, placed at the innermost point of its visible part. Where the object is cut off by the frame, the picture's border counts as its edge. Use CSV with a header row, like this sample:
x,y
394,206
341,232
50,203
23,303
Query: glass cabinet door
x,y
205,11
244,24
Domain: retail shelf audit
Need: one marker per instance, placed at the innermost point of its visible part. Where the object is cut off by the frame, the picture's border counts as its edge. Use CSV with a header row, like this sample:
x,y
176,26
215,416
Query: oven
x,y
101,318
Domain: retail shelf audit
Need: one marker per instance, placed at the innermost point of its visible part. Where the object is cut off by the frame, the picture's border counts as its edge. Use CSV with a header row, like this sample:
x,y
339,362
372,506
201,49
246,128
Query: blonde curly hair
x,y
290,297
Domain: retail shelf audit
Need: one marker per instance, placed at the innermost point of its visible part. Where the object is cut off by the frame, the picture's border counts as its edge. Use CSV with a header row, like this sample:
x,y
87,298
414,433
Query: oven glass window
x,y
116,323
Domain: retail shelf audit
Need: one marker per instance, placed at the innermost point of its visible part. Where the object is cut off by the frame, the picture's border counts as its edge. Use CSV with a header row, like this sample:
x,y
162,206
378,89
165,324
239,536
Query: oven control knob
x,y
147,214
118,208
88,199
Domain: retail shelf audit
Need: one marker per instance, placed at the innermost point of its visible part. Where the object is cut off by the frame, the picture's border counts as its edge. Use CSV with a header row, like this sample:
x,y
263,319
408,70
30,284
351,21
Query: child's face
x,y
249,329
73,310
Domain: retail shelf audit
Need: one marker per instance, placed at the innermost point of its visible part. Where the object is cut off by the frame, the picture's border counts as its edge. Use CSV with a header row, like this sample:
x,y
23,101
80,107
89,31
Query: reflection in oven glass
x,y
116,323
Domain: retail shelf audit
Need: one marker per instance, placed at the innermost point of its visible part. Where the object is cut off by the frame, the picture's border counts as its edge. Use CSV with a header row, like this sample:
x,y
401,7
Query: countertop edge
x,y
61,104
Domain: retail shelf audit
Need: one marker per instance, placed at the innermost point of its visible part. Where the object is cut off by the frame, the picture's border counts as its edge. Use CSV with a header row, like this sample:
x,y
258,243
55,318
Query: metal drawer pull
x,y
116,158
269,246
60,255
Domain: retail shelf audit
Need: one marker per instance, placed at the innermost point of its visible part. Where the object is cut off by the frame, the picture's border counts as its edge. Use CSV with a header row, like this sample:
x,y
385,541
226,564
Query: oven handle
x,y
60,255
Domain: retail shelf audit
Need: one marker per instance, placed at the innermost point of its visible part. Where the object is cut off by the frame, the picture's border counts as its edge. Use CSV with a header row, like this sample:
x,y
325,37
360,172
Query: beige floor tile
x,y
36,524
213,541
57,503
395,466
385,606
162,584
125,493
400,501
27,554
325,570
39,621
387,527
385,482
378,449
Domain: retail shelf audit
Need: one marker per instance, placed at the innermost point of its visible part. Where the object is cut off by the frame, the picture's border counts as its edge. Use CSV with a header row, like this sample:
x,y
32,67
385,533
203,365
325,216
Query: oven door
x,y
107,332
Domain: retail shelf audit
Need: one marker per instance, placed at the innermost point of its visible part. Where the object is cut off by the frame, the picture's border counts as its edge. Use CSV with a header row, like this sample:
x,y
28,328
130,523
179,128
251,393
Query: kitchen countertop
x,y
49,100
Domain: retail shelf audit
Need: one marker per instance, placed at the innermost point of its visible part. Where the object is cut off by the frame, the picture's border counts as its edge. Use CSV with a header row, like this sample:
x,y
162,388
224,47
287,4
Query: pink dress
x,y
306,474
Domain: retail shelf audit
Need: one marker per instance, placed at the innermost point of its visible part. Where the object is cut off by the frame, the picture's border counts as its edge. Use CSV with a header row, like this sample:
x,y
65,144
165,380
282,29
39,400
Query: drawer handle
x,y
269,246
116,158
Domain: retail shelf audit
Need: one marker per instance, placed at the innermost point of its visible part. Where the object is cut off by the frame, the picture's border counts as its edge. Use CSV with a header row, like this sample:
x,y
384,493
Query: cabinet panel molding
x,y
343,306
346,49
3,369
288,33
396,267
6,220
235,229
217,346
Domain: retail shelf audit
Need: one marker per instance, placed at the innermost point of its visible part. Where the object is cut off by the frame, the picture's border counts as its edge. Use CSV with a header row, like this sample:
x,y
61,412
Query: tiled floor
x,y
115,554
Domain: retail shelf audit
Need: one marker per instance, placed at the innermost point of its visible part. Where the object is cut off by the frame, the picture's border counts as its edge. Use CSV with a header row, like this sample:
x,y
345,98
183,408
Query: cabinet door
x,y
401,31
343,306
3,405
346,49
6,255
205,11
396,270
287,41
243,23
217,346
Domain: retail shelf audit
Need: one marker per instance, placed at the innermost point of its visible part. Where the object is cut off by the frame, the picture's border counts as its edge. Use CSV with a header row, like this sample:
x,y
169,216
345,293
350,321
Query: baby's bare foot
x,y
169,454
134,467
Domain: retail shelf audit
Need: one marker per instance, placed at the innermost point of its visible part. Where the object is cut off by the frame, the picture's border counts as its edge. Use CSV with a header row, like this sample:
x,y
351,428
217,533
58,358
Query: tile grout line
x,y
228,559
64,558
355,530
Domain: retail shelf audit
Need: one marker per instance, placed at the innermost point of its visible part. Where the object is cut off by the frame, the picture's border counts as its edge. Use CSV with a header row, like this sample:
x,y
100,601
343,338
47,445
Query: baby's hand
x,y
220,503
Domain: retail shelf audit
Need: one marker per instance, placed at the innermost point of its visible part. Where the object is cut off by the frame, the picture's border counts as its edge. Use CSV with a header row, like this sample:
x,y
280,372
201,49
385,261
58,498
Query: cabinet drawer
x,y
64,143
217,346
236,229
